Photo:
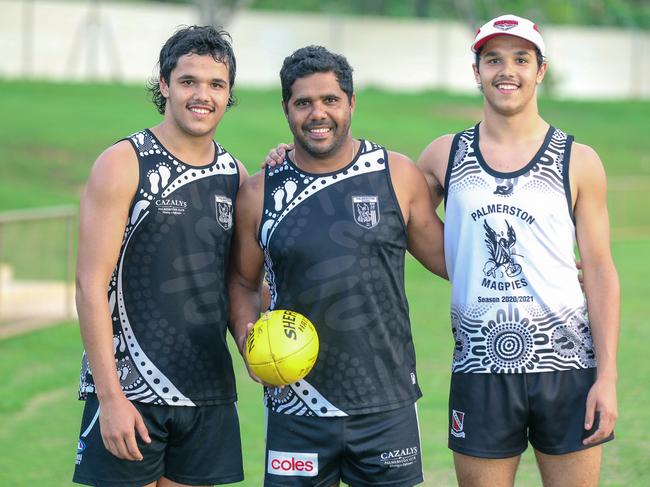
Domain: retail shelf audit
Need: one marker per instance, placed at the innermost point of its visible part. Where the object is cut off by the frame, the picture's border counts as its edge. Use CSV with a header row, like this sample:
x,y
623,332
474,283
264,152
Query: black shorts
x,y
495,415
362,450
189,445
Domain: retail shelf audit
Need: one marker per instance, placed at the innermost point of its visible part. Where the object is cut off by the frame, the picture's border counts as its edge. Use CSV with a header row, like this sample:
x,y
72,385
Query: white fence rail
x,y
36,266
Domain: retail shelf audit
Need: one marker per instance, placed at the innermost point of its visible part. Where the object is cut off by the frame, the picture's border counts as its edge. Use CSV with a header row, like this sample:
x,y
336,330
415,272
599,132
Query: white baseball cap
x,y
509,25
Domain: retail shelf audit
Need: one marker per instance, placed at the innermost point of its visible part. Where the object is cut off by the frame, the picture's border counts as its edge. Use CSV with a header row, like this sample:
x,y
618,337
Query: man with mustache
x,y
518,193
156,224
331,227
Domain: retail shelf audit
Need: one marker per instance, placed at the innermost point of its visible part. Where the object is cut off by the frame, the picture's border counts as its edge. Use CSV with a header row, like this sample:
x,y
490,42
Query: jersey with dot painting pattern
x,y
334,247
517,305
168,295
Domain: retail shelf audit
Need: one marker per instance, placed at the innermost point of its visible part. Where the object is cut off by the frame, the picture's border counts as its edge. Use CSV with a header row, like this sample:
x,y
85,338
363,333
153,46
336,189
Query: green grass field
x,y
50,135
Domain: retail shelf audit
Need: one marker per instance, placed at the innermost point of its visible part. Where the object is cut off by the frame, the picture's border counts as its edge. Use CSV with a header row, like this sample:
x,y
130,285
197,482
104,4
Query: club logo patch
x,y
457,423
366,210
224,208
81,446
290,464
505,24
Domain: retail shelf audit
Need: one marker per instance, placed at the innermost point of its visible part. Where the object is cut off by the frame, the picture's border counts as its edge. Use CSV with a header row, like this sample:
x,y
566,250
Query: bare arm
x,y
243,173
247,261
601,284
425,239
102,220
433,164
265,292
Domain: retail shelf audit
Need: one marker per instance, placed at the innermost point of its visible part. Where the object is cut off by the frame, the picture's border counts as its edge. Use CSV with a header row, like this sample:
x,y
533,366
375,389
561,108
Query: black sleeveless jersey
x,y
168,295
334,247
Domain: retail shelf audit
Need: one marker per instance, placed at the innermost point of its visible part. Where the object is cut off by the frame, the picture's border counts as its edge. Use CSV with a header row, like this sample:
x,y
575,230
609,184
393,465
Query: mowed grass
x,y
50,135
40,415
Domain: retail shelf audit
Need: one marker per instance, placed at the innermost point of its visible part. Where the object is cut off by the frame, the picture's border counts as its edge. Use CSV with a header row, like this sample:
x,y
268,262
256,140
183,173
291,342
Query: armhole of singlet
x,y
450,164
392,191
137,158
238,169
261,222
565,176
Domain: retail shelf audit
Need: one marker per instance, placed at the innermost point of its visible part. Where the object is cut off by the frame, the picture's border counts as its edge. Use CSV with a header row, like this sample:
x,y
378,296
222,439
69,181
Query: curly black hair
x,y
199,40
315,59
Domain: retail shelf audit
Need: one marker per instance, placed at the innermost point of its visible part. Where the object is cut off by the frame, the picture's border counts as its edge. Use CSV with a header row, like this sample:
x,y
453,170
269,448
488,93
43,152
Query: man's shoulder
x,y
437,151
585,166
116,158
583,152
434,160
252,186
397,158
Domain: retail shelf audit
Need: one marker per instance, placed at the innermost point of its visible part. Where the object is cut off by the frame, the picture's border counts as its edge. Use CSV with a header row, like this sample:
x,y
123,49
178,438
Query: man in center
x,y
331,228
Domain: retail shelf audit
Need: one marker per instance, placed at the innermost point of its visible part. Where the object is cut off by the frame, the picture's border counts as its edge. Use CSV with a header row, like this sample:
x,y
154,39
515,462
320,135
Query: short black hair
x,y
315,59
199,40
538,55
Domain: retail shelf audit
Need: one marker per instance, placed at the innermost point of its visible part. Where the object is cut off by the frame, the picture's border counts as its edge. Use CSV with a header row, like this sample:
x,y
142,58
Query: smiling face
x,y
197,94
319,114
508,74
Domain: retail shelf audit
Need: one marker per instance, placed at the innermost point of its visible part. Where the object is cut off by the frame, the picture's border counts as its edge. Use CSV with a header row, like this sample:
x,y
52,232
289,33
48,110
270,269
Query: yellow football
x,y
282,347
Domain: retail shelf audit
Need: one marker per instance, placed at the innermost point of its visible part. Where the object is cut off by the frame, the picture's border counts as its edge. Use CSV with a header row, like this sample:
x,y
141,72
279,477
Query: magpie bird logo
x,y
501,250
366,210
224,209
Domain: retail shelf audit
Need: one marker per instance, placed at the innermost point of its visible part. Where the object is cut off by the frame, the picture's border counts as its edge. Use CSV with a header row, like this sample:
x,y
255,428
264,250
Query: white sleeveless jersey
x,y
517,306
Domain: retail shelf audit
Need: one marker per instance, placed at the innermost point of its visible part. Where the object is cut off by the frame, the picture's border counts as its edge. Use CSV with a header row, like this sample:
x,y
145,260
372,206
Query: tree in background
x,y
622,13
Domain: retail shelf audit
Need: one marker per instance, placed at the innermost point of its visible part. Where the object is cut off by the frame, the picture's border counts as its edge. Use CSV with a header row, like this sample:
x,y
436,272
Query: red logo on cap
x,y
505,24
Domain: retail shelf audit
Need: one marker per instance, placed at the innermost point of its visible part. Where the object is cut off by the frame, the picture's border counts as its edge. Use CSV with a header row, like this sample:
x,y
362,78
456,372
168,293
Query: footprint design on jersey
x,y
154,180
119,344
285,193
123,369
159,177
140,138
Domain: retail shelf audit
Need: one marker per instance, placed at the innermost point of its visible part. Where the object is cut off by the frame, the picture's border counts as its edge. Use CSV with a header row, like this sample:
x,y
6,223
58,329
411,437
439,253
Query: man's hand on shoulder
x,y
276,156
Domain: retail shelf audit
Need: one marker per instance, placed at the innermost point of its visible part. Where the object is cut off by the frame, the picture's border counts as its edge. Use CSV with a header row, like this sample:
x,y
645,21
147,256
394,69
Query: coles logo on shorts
x,y
292,464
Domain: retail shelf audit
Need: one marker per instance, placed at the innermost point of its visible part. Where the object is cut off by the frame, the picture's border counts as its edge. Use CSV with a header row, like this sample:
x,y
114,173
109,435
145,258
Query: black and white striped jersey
x,y
168,295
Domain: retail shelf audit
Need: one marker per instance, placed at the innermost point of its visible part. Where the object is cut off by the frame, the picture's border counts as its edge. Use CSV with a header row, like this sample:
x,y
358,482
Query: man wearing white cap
x,y
518,193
